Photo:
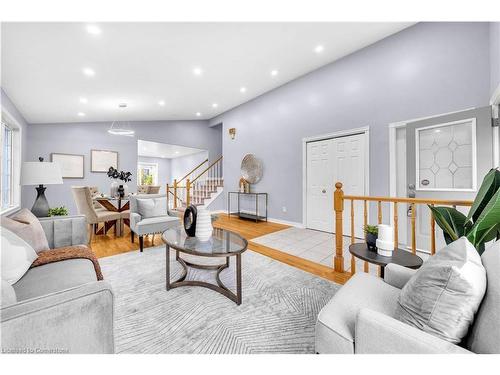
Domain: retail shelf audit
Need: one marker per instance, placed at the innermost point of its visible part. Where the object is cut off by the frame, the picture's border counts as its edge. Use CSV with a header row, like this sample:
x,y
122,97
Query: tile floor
x,y
313,245
316,246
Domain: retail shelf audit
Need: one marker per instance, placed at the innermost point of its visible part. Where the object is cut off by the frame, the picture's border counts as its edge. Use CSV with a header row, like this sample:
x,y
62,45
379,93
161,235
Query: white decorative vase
x,y
385,240
203,224
113,189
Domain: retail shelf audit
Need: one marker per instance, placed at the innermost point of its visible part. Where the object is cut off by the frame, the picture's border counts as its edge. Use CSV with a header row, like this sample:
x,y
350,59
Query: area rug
x,y
277,315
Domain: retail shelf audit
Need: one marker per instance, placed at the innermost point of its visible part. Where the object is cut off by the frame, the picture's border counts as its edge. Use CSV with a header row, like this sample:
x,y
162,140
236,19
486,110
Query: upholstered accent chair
x,y
149,215
85,206
148,189
360,317
94,192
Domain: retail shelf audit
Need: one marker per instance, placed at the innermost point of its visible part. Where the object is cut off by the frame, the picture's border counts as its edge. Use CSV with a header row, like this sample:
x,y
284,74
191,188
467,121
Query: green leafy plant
x,y
371,229
482,224
147,179
58,211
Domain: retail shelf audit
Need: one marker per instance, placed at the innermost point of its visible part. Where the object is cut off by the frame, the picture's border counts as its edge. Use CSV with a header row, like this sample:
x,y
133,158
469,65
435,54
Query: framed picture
x,y
71,165
101,160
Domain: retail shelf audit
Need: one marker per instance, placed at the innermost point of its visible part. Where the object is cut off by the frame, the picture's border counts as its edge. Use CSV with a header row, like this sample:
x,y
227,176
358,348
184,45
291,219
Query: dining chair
x,y
94,193
85,206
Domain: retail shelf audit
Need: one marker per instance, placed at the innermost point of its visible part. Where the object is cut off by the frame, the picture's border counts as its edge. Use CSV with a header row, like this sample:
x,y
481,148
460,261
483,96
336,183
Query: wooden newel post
x,y
175,193
338,206
167,197
188,192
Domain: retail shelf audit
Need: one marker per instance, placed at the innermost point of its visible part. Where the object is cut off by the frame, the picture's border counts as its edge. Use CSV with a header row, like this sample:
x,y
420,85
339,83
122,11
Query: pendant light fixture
x,y
121,129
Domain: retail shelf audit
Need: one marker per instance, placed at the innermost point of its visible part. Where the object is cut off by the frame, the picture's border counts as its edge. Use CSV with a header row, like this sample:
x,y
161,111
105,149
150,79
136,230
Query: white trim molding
x,y
341,133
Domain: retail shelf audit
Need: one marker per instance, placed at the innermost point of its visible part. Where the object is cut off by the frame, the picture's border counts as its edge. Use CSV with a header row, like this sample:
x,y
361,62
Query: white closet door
x,y
349,168
328,161
319,186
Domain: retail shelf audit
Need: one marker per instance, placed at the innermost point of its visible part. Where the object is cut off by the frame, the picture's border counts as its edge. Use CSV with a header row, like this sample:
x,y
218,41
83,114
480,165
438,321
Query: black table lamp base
x,y
41,206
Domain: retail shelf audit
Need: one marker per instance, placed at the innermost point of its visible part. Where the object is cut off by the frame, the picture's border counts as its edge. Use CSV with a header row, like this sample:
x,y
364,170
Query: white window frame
x,y
17,133
474,155
155,178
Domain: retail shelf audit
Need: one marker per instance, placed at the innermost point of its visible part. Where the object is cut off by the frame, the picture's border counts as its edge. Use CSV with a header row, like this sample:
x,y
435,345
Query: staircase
x,y
200,186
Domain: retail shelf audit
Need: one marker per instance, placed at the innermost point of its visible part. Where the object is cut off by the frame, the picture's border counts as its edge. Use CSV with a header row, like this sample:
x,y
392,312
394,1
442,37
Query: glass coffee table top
x,y
221,244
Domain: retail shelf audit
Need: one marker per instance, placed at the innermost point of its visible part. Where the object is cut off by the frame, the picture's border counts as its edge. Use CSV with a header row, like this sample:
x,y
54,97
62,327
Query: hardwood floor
x,y
106,245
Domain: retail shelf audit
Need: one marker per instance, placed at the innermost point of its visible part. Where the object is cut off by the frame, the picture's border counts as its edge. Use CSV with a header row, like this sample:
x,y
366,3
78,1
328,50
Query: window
x,y
147,174
7,168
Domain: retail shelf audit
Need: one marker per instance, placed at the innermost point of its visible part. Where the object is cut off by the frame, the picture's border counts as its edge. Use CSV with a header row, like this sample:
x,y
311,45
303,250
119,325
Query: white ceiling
x,y
144,63
163,150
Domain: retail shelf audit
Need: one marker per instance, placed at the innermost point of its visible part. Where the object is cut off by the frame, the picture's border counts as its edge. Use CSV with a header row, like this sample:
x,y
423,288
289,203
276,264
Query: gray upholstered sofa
x,y
61,307
359,318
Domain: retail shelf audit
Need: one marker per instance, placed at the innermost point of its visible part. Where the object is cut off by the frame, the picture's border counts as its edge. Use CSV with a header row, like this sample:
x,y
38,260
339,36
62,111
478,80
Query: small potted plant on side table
x,y
371,235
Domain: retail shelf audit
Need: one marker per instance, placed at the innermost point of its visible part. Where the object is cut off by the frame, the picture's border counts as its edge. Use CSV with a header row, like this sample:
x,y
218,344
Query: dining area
x,y
105,213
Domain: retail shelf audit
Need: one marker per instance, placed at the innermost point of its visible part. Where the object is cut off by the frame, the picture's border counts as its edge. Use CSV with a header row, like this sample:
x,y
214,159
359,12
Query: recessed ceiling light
x,y
197,71
198,114
161,103
274,72
319,48
243,89
83,100
81,114
176,152
93,29
214,105
88,72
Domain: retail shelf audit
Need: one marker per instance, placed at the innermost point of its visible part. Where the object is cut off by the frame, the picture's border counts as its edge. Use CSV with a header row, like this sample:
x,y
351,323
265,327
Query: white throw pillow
x,y
442,297
17,256
152,207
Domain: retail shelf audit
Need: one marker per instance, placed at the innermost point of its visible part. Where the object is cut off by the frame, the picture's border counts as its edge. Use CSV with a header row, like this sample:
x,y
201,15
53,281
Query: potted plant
x,y
58,211
482,224
371,235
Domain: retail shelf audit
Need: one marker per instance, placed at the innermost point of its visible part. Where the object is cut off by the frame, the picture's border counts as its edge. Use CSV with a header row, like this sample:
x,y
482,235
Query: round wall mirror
x,y
251,168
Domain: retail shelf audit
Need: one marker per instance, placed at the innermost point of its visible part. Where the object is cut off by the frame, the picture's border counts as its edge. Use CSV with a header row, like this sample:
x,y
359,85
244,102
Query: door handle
x,y
411,191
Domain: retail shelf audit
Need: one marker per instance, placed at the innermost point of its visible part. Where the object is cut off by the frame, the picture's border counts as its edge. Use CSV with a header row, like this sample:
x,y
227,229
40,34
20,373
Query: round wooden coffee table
x,y
402,257
222,244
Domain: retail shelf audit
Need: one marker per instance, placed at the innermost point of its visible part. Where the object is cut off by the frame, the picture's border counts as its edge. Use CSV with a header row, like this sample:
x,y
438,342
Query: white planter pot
x,y
203,225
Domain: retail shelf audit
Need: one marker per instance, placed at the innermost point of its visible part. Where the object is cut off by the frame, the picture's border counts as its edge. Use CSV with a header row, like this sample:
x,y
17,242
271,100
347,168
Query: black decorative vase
x,y
190,220
121,191
41,206
371,241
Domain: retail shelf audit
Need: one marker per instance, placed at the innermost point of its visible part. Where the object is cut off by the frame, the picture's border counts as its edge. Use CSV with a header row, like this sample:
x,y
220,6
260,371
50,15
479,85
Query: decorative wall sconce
x,y
232,133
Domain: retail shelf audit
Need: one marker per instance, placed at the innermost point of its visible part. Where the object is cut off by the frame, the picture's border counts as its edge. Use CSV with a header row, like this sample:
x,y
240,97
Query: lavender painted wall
x,y
182,165
427,69
164,170
494,56
80,138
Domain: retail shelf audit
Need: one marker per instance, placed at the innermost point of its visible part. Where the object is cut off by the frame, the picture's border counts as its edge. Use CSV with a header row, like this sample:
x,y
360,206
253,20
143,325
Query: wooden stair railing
x,y
199,184
339,199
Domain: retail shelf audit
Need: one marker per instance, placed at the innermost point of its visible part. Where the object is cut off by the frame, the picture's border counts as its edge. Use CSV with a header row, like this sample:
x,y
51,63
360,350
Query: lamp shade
x,y
40,173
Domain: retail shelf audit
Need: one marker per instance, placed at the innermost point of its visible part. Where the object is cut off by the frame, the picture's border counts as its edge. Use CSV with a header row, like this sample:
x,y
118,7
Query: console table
x,y
257,215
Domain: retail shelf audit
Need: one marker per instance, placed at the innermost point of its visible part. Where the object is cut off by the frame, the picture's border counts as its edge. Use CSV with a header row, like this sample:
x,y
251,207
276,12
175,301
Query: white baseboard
x,y
286,222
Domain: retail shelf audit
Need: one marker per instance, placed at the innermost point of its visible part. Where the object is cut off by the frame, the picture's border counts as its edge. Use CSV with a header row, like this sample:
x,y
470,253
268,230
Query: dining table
x,y
114,204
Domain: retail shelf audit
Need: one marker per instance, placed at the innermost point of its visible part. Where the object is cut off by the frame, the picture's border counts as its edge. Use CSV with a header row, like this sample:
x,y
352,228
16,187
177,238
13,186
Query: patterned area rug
x,y
277,315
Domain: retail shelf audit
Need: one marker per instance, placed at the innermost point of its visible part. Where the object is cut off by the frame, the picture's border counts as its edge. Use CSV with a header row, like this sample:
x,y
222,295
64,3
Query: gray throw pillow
x,y
27,226
445,293
152,207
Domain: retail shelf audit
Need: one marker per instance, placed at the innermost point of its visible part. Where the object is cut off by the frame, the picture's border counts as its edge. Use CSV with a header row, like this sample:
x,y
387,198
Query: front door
x,y
447,157
328,161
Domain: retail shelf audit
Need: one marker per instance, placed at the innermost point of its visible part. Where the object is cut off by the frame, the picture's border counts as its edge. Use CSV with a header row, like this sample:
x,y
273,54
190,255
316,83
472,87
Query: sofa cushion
x,y
54,277
445,293
335,327
8,294
484,337
16,256
156,224
28,227
152,207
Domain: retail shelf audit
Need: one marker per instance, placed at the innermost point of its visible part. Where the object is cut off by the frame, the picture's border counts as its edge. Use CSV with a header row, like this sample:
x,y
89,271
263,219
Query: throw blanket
x,y
69,252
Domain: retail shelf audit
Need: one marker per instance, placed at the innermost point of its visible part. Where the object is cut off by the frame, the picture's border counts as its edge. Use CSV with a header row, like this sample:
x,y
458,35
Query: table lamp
x,y
40,173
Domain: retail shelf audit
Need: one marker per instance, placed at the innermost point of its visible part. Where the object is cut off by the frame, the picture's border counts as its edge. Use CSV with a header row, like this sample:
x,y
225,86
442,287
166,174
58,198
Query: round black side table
x,y
402,257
